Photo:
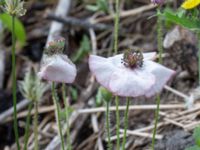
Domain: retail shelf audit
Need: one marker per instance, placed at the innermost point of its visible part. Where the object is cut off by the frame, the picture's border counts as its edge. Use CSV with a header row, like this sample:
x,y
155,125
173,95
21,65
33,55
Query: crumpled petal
x,y
102,69
131,83
162,75
58,68
149,56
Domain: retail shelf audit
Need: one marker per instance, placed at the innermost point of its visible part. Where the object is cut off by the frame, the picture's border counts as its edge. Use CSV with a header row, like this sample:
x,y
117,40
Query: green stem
x,y
69,146
156,120
116,27
118,121
14,83
160,49
116,30
198,35
108,125
35,124
26,136
159,37
57,112
126,122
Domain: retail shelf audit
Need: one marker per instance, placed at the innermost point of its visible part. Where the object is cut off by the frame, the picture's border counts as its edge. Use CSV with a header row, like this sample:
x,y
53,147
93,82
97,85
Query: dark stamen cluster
x,y
56,46
133,59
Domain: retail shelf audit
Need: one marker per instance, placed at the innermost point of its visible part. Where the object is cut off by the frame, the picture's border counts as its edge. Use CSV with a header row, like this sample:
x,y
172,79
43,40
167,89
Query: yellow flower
x,y
189,4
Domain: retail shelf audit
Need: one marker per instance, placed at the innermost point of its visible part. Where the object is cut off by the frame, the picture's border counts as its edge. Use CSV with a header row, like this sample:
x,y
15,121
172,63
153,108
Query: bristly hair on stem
x,y
26,136
69,146
116,30
57,114
125,122
117,121
35,128
14,84
108,124
160,49
116,26
198,35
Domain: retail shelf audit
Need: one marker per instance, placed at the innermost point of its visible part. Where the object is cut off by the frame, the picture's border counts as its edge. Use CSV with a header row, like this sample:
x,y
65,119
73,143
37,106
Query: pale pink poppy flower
x,y
145,79
58,68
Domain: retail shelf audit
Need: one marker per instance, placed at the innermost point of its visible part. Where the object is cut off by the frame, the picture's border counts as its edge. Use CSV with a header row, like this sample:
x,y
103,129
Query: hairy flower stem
x,y
125,122
108,124
116,27
198,35
57,114
35,124
69,146
160,49
118,122
14,93
28,118
156,120
116,30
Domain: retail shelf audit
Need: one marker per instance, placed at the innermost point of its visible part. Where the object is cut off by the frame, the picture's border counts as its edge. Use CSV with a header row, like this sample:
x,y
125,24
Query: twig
x,y
93,41
192,125
21,105
5,116
56,141
96,130
132,12
2,66
41,110
42,124
176,92
78,22
56,27
174,122
133,107
142,134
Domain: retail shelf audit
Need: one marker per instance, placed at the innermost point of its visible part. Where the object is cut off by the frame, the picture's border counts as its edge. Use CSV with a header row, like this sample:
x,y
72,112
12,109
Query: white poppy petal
x,y
58,69
162,75
102,69
122,81
116,60
131,83
149,56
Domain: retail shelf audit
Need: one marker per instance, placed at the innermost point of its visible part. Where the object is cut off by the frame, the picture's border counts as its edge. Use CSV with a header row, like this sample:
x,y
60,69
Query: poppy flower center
x,y
133,59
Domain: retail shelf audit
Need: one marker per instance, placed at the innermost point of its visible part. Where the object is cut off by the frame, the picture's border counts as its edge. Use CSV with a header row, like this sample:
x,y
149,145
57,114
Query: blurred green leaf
x,y
92,8
74,93
196,136
83,50
99,98
101,5
2,2
19,27
181,12
193,148
63,113
191,24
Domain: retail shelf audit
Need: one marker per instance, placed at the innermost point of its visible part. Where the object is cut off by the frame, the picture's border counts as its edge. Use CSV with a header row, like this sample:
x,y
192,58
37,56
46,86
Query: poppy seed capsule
x,y
55,47
133,59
